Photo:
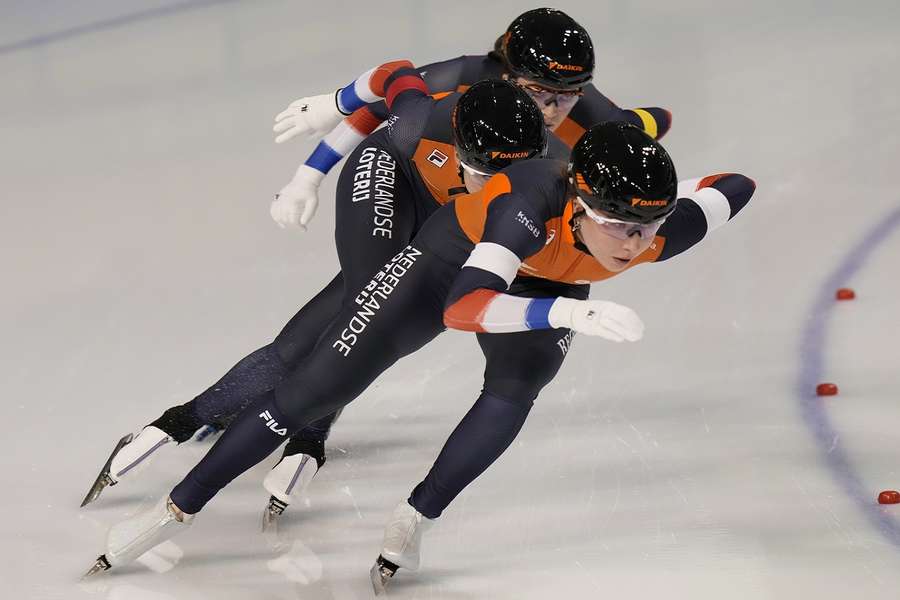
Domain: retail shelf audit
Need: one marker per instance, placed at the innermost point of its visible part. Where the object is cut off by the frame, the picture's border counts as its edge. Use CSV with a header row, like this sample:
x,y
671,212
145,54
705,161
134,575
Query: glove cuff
x,y
560,315
310,175
337,103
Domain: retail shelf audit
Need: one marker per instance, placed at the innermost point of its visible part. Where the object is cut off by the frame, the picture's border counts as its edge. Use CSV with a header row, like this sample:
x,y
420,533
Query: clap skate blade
x,y
100,566
271,513
381,573
103,479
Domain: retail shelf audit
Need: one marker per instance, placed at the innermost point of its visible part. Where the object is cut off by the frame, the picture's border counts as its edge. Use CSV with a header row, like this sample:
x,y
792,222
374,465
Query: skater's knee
x,y
290,349
520,385
518,399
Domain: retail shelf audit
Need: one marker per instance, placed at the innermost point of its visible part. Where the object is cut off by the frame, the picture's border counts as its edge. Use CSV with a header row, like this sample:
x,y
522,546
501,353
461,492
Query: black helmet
x,y
547,46
618,169
496,123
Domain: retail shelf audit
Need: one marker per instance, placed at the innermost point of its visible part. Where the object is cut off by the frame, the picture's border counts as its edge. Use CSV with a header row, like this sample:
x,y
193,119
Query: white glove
x,y
295,204
597,317
311,117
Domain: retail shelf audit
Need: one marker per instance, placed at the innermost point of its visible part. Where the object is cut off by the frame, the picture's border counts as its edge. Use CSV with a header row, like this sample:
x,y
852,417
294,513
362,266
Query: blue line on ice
x,y
812,369
97,26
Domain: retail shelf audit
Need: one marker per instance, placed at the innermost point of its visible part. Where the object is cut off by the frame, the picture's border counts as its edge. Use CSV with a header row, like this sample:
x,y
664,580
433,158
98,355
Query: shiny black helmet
x,y
496,123
547,46
618,169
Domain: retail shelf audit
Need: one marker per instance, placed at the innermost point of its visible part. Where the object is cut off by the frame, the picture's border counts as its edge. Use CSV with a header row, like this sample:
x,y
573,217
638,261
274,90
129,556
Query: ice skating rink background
x,y
140,262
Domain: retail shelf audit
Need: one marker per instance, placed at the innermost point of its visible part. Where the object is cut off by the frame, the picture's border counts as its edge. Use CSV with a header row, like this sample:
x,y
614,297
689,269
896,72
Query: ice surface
x,y
140,263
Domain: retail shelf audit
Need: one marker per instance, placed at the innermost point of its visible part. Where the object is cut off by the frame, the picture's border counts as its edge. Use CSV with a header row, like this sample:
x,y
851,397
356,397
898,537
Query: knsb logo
x,y
509,155
272,423
642,202
556,66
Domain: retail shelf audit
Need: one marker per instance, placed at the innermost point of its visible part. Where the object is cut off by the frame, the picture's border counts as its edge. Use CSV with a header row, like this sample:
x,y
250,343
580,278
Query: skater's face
x,y
554,104
612,251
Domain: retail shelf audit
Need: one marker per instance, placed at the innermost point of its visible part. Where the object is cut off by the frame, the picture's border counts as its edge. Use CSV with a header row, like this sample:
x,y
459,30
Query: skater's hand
x,y
295,204
311,117
597,317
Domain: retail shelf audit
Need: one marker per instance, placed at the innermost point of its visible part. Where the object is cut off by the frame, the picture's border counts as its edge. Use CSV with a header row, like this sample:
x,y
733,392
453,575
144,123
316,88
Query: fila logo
x,y
437,158
509,155
550,236
640,202
561,67
272,423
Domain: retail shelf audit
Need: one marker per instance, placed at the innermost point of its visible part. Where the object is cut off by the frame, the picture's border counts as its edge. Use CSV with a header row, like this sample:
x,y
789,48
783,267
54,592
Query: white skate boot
x,y
401,545
133,537
286,482
129,454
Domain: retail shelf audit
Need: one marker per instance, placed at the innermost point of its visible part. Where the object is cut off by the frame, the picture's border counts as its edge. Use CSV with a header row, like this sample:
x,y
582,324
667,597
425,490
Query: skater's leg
x,y
369,231
370,228
303,456
374,224
518,366
255,374
401,311
480,438
253,435
263,369
299,336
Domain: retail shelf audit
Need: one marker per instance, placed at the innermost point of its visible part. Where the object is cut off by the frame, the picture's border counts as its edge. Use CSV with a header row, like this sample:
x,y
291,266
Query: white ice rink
x,y
139,263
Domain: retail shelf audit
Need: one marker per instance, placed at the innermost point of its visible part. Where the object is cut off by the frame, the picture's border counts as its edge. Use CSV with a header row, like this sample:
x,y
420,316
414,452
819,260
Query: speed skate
x,y
401,546
129,453
131,538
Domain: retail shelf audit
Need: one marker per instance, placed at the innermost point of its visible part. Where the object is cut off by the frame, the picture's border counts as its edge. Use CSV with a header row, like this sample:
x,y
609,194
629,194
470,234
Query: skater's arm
x,y
445,76
654,120
477,303
398,83
513,231
595,108
389,81
703,205
440,78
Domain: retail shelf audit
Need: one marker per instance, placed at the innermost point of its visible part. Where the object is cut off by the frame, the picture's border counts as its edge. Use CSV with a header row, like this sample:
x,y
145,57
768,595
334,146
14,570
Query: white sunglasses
x,y
622,229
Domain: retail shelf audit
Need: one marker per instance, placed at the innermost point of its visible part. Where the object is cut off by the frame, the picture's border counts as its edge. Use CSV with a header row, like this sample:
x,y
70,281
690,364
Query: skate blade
x,y
271,514
381,573
269,521
100,565
103,479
